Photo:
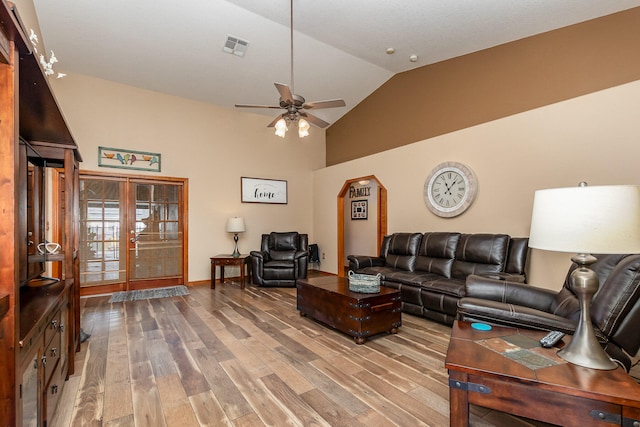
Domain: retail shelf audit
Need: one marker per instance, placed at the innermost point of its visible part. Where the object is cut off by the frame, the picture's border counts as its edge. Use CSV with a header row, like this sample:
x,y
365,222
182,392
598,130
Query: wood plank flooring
x,y
228,357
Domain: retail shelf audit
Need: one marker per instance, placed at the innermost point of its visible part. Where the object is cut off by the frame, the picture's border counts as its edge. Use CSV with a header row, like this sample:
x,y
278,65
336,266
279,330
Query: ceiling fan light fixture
x,y
294,104
303,128
281,128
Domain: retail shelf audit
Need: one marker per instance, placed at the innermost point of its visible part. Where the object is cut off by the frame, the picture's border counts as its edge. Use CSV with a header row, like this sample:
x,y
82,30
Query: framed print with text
x,y
257,190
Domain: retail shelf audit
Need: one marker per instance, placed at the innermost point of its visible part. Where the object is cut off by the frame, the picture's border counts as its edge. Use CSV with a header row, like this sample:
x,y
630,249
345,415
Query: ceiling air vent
x,y
235,46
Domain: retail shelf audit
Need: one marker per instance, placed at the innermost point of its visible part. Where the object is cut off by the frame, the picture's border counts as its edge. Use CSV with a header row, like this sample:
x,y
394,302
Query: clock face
x,y
450,189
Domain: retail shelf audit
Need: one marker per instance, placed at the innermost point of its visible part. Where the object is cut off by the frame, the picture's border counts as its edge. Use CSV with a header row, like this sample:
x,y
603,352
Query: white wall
x,y
211,146
593,138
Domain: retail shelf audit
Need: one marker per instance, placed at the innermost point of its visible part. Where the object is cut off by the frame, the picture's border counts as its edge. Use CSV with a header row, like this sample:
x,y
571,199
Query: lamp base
x,y
584,348
235,253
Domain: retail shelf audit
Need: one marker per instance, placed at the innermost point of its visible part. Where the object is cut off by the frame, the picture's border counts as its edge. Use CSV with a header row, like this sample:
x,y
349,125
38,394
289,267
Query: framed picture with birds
x,y
129,159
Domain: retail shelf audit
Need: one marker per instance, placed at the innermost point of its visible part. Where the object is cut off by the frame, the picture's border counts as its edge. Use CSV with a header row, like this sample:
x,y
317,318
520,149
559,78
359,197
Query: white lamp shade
x,y
588,220
303,128
235,225
281,128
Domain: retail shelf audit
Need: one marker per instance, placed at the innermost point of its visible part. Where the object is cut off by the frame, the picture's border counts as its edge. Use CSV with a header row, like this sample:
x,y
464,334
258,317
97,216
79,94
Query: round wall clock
x,y
450,189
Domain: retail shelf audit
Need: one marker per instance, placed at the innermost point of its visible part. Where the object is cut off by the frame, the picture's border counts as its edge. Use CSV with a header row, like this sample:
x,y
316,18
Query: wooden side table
x,y
223,260
506,369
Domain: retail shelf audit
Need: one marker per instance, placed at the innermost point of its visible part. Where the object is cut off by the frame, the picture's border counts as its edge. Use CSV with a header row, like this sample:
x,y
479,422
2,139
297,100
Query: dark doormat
x,y
173,291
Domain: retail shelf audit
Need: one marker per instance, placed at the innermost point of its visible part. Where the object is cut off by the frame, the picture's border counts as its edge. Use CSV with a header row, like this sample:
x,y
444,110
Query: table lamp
x,y
235,225
586,220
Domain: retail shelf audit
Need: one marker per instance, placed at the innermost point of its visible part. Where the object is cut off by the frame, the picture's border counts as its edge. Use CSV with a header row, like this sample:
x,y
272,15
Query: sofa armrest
x,y
508,292
356,262
516,278
300,254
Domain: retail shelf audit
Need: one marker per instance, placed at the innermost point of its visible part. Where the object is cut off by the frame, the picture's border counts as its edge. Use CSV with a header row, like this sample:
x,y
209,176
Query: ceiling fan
x,y
295,105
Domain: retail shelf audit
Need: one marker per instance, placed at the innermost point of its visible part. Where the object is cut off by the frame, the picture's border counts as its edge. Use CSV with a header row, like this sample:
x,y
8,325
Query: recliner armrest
x,y
356,262
259,254
300,254
474,309
508,292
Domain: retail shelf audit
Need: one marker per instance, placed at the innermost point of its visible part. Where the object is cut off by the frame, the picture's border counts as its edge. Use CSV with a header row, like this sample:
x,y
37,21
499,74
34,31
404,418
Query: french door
x,y
132,232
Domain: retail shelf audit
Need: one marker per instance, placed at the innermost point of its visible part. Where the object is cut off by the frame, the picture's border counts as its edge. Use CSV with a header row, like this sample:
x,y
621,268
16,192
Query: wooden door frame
x,y
382,216
185,219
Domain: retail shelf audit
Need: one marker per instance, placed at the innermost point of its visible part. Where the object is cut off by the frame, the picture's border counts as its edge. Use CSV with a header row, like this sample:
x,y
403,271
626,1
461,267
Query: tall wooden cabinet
x,y
39,324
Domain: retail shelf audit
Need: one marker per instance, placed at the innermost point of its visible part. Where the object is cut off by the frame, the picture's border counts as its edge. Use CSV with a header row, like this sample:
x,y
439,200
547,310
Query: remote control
x,y
551,339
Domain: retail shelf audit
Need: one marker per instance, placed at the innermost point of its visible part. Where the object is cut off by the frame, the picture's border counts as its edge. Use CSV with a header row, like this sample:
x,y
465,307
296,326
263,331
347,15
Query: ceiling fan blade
x,y
273,123
256,106
314,120
285,93
331,103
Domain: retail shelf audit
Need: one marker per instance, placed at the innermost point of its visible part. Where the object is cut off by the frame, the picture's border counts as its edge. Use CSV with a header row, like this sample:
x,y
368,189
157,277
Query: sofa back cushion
x,y
615,308
282,246
479,254
436,253
517,256
400,250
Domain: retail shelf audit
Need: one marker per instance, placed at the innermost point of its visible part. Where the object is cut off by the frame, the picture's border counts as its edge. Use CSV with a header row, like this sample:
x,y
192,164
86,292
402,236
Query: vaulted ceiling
x,y
340,47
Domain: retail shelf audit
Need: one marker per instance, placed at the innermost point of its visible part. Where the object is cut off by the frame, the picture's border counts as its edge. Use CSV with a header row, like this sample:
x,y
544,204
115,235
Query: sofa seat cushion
x,y
278,264
453,287
415,293
409,278
377,269
282,255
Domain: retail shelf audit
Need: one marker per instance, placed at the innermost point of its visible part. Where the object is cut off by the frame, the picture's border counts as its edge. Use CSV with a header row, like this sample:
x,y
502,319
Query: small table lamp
x,y
235,225
586,220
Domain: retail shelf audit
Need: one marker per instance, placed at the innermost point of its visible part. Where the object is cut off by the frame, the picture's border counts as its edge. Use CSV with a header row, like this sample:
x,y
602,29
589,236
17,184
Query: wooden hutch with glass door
x,y
39,304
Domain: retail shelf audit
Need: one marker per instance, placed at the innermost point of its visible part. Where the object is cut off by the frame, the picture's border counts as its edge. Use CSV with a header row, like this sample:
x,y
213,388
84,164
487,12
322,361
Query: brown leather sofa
x,y
430,268
615,308
282,259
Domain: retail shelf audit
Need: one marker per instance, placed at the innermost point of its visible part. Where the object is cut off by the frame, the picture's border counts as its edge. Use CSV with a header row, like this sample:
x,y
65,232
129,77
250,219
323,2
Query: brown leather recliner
x,y
283,258
615,309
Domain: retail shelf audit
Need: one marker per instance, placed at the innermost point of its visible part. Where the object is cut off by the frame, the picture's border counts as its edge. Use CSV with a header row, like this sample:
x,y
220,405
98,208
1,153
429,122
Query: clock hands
x,y
449,186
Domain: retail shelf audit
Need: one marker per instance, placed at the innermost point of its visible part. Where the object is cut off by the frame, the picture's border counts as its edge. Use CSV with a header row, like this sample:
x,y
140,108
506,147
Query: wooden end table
x,y
224,260
328,299
506,369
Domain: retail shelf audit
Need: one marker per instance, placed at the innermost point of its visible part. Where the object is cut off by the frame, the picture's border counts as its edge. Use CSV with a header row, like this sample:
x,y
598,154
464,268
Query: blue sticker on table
x,y
481,326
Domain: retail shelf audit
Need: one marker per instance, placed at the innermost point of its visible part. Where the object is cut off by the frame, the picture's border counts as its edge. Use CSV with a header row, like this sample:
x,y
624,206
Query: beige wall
x,y
593,138
490,84
211,146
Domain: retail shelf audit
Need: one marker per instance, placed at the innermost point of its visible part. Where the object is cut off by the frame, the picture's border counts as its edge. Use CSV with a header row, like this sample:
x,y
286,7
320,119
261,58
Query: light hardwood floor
x,y
247,358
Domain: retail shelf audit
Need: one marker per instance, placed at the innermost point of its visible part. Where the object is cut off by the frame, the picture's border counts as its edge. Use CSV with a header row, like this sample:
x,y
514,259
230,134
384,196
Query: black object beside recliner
x,y
283,258
615,308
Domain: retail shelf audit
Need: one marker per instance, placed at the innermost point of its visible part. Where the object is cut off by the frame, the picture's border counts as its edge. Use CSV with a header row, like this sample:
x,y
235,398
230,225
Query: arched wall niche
x,y
381,217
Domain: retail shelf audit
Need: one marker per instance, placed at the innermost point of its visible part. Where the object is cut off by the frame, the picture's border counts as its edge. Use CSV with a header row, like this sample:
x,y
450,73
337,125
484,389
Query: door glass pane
x,y
102,256
158,248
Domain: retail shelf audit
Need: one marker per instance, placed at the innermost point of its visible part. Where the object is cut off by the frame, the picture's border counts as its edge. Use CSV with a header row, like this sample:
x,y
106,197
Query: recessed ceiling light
x,y
390,51
413,58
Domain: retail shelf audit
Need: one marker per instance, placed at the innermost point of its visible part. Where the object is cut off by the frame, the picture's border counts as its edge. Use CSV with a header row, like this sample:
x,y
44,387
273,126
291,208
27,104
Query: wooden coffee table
x,y
329,300
507,370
